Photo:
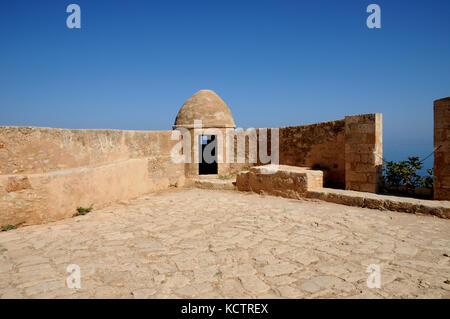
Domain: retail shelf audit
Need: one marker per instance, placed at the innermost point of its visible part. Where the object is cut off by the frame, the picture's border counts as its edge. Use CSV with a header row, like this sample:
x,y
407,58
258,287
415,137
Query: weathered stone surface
x,y
290,292
15,184
47,173
383,202
143,293
206,106
442,149
316,284
363,152
320,145
253,284
278,269
224,244
205,183
280,180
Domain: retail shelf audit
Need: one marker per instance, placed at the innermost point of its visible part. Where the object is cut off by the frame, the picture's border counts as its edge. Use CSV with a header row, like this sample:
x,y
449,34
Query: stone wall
x,y
363,152
442,149
46,173
319,146
348,151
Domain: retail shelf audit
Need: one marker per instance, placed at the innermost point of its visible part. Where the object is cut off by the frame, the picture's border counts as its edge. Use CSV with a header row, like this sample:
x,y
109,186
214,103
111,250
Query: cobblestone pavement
x,y
208,244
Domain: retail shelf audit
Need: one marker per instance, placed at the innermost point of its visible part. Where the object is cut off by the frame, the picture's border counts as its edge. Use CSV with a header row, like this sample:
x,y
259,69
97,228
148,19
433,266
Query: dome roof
x,y
207,106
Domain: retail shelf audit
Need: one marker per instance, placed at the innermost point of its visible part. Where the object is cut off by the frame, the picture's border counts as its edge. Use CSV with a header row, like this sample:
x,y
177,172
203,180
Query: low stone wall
x,y
348,151
442,147
320,146
280,180
46,173
383,202
302,183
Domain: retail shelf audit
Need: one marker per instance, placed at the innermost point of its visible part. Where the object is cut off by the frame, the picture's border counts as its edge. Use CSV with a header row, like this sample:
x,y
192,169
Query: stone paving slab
x,y
196,243
217,184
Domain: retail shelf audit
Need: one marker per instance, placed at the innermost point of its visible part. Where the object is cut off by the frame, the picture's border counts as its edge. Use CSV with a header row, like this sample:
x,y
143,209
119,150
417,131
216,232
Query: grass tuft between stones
x,y
82,211
9,227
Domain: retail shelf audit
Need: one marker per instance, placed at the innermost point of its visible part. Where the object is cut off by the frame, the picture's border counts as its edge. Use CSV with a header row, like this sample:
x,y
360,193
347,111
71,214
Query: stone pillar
x,y
442,149
363,152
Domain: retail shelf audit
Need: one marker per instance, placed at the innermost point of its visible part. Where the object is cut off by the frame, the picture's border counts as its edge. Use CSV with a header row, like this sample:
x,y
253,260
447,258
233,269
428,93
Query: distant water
x,y
401,150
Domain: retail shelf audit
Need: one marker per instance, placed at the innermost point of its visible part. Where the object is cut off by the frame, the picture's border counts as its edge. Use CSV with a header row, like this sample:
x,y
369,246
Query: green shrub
x,y
82,211
404,173
427,181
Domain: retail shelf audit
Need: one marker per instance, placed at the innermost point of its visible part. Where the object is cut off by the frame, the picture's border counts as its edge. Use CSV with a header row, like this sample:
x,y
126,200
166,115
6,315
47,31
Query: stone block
x,y
280,180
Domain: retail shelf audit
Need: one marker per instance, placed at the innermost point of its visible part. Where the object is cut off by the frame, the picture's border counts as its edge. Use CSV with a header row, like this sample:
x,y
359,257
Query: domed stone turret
x,y
207,106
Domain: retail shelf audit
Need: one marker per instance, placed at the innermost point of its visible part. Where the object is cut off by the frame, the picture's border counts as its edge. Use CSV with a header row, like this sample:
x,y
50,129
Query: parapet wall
x,y
442,149
319,146
348,151
45,173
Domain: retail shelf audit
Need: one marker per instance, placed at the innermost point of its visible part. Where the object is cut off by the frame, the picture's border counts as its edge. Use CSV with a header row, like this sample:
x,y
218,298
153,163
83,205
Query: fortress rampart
x,y
46,173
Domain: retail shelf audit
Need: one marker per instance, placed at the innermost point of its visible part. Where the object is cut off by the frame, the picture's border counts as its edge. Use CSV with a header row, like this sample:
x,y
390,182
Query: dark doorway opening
x,y
208,155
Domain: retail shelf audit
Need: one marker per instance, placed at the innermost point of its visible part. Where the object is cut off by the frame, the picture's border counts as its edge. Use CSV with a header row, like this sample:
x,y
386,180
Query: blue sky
x,y
275,63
